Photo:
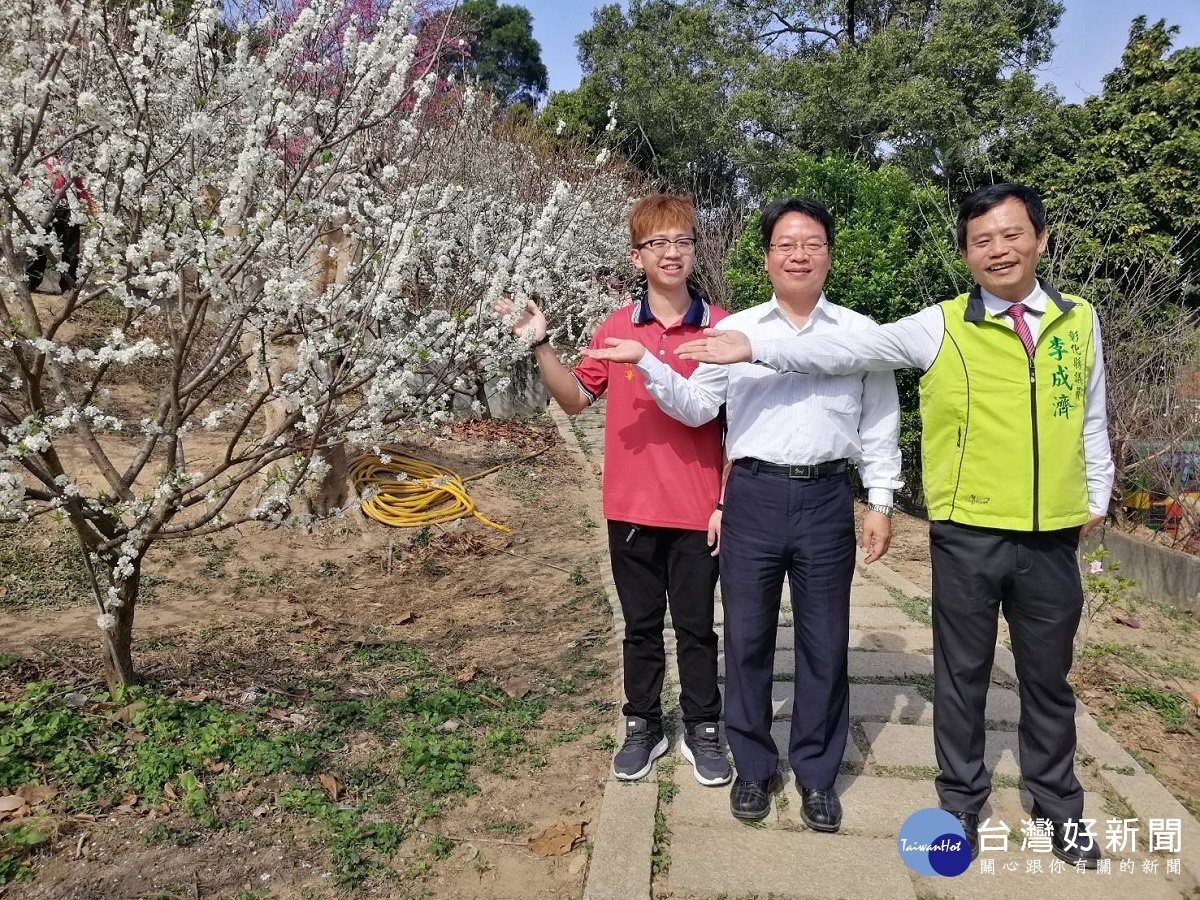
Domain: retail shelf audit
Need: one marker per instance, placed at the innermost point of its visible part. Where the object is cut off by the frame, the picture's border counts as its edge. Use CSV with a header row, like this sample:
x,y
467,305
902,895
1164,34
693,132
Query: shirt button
x,y
662,352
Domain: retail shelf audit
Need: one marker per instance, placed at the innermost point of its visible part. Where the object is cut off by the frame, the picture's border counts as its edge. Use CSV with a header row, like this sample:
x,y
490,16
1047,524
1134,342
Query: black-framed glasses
x,y
660,245
787,248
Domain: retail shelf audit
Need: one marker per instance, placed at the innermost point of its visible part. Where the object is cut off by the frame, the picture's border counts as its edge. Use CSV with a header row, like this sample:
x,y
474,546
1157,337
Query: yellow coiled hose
x,y
407,492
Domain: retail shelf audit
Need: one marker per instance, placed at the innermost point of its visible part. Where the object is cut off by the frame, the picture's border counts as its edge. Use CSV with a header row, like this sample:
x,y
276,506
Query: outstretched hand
x,y
618,350
531,323
717,346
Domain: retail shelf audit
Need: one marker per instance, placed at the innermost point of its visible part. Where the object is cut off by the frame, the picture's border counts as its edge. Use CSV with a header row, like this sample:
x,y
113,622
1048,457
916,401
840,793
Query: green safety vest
x,y
1002,434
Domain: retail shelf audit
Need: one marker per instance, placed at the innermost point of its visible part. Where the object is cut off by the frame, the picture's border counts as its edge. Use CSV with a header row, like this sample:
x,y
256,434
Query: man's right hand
x,y
618,351
531,323
717,346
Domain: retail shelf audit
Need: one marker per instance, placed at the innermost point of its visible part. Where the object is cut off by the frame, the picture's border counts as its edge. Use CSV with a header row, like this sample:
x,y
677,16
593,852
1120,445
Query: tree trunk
x,y
118,642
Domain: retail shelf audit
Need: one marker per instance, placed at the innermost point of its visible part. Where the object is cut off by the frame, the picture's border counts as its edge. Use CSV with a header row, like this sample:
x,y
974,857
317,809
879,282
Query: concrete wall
x,y
1163,575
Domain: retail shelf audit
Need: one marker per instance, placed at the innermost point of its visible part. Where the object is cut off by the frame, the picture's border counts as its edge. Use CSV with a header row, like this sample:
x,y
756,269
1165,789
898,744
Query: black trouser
x,y
68,239
1033,577
775,525
653,567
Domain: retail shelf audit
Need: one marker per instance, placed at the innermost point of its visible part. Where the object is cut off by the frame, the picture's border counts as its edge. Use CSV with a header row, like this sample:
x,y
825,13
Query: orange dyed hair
x,y
661,212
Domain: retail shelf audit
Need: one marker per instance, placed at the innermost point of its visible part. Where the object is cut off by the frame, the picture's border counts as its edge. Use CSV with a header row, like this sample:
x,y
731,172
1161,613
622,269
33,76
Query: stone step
x,y
883,618
737,861
898,746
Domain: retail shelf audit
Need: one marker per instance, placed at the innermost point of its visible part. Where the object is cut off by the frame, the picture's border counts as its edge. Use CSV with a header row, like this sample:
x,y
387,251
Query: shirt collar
x,y
696,316
823,308
996,307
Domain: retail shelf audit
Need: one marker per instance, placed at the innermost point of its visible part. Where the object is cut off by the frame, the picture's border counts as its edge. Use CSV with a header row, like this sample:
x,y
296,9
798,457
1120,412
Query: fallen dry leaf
x,y
467,674
198,697
577,864
1194,696
126,713
259,811
276,713
403,619
11,807
556,840
449,726
332,786
170,793
35,794
134,736
516,687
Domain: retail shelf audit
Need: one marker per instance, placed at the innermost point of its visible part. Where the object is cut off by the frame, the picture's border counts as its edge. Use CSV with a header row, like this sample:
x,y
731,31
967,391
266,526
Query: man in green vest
x,y
1017,467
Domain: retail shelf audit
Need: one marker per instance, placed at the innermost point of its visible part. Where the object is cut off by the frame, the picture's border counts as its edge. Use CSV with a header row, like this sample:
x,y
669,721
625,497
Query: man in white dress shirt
x,y
1017,468
788,510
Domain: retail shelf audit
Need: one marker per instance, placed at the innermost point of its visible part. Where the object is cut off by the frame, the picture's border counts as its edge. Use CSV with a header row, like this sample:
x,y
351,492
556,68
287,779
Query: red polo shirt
x,y
657,471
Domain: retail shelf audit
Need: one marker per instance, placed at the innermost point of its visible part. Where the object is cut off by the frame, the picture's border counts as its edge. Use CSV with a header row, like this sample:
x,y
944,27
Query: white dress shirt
x,y
790,418
915,340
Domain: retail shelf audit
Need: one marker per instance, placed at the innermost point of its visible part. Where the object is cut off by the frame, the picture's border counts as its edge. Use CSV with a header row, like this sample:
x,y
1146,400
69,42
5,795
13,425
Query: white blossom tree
x,y
291,215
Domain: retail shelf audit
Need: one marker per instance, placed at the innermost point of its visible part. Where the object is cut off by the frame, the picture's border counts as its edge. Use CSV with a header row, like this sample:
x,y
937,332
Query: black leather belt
x,y
806,472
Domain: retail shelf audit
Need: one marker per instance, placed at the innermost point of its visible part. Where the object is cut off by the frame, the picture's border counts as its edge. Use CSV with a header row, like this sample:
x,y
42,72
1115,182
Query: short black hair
x,y
988,198
777,209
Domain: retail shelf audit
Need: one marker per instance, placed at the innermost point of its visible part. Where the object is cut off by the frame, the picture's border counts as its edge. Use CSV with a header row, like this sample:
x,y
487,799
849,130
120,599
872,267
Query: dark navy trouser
x,y
1033,578
805,528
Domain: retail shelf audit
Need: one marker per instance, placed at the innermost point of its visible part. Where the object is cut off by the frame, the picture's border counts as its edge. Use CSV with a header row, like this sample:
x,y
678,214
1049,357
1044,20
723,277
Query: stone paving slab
x,y
914,639
889,703
881,618
620,867
908,746
785,865
882,664
870,593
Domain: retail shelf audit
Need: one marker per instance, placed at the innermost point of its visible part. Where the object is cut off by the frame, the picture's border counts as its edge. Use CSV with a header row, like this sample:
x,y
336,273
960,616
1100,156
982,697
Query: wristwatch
x,y
545,339
884,509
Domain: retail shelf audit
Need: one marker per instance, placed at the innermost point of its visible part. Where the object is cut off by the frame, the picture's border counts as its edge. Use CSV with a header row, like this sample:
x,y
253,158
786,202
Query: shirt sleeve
x,y
592,374
693,401
879,437
911,342
1097,451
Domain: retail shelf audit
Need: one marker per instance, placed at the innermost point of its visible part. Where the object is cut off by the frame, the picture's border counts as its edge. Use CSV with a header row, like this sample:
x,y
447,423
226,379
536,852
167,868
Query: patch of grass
x,y
143,742
660,856
912,773
440,846
8,659
1171,706
606,743
38,570
17,843
577,577
916,608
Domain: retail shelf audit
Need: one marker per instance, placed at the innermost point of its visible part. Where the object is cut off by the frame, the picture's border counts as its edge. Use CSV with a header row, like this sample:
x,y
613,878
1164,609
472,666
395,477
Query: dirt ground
x,y
258,612
1131,678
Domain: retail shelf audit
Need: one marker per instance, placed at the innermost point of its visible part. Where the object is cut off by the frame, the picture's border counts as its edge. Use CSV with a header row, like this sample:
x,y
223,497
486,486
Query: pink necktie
x,y
1017,312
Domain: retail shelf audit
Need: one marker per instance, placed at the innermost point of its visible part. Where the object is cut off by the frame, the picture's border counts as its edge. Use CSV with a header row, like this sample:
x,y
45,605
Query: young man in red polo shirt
x,y
662,481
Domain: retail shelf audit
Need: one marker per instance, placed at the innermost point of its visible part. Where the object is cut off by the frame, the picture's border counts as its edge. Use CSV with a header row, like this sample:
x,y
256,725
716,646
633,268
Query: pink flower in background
x,y
1096,567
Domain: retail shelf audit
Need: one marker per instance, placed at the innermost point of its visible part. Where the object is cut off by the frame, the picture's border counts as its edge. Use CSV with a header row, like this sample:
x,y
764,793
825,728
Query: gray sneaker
x,y
702,748
644,743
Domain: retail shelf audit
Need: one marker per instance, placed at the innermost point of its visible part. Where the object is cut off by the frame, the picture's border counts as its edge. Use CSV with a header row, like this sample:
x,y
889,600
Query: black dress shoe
x,y
750,801
821,810
970,826
1074,846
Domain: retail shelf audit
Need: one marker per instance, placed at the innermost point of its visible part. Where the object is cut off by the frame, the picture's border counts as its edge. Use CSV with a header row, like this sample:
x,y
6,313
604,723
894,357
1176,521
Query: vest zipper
x,y
1033,414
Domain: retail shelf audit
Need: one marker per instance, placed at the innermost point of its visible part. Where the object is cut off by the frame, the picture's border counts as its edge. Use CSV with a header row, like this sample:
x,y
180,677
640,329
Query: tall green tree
x,y
927,84
664,71
729,87
1123,190
501,51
